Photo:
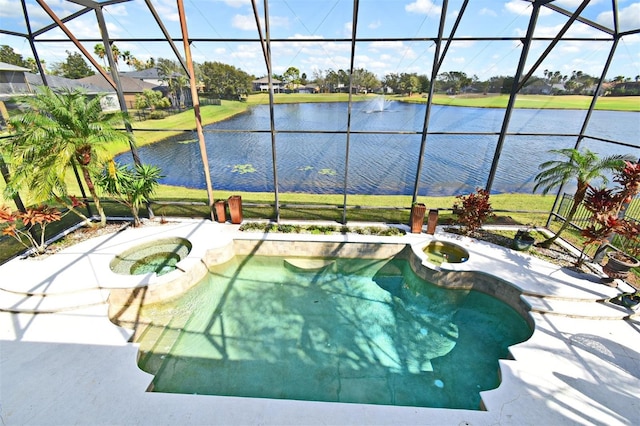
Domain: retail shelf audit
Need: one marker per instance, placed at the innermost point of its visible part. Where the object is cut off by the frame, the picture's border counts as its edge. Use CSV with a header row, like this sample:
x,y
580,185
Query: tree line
x,y
229,82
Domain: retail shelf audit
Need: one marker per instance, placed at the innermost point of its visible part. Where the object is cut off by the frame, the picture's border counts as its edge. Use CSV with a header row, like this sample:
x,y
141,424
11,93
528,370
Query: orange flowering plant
x,y
607,205
22,225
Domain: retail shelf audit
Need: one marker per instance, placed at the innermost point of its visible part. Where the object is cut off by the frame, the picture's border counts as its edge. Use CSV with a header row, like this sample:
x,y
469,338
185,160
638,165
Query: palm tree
x,y
132,187
582,166
116,54
59,131
98,49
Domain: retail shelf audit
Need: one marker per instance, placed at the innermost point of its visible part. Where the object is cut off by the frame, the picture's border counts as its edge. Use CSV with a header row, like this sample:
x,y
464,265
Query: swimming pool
x,y
358,330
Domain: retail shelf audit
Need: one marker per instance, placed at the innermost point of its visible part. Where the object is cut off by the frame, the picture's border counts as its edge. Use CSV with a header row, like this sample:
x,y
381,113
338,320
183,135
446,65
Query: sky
x,y
327,22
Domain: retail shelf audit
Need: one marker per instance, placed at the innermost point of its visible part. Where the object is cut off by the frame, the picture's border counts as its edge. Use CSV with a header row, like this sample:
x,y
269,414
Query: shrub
x,y
473,210
26,234
158,115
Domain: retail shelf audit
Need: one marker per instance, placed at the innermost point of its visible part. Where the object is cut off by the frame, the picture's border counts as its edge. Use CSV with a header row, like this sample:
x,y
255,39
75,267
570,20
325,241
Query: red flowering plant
x,y
606,206
473,210
22,225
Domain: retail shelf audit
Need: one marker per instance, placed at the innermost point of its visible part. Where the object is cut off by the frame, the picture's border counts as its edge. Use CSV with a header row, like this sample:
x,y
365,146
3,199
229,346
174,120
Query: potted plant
x,y
523,240
417,217
606,206
630,300
221,211
235,209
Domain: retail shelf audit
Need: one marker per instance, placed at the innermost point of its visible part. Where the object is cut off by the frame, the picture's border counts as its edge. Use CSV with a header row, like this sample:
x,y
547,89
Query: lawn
x,y
623,103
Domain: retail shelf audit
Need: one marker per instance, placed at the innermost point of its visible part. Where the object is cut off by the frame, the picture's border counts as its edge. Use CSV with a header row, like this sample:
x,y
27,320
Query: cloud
x,y
116,10
244,22
374,25
8,9
246,51
237,3
628,17
167,9
386,45
424,7
519,7
248,22
487,12
572,4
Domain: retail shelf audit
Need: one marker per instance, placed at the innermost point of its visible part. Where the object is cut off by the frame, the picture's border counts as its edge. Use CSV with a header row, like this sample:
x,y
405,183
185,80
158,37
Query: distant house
x,y
18,81
15,81
150,75
130,86
308,88
262,85
538,87
153,76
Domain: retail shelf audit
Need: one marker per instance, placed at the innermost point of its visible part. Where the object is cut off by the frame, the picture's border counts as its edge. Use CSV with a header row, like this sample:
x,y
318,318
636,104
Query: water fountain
x,y
379,104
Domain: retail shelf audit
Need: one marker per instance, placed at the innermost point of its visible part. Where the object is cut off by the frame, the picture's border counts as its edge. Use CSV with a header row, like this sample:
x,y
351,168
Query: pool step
x,y
582,308
156,342
16,302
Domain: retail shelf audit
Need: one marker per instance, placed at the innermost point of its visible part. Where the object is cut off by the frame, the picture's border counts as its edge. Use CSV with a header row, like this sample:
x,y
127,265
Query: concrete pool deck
x,y
70,364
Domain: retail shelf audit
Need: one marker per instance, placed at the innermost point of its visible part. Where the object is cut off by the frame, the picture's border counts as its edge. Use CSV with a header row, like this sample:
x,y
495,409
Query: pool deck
x,y
62,361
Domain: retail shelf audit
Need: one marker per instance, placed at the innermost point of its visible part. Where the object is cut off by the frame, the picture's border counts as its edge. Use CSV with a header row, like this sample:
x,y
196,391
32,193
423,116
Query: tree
x,y
172,76
33,66
59,131
99,50
453,81
73,67
584,167
392,81
291,78
9,56
138,65
226,81
320,80
364,80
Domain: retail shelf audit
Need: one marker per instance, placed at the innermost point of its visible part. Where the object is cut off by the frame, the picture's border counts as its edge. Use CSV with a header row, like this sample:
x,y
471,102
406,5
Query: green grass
x,y
611,103
621,103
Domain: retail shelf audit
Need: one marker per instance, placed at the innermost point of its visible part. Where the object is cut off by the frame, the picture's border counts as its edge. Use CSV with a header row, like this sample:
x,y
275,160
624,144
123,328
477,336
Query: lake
x,y
458,156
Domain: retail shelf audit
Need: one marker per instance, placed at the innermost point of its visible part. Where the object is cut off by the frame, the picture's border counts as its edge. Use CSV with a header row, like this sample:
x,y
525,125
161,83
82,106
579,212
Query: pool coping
x,y
572,370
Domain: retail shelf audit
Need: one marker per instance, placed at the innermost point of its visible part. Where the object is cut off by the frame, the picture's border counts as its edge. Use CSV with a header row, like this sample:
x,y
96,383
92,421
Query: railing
x,y
582,218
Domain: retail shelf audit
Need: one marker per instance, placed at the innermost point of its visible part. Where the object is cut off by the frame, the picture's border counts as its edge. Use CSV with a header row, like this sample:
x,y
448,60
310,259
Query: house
x,y
537,87
18,81
308,88
262,85
13,81
130,86
150,75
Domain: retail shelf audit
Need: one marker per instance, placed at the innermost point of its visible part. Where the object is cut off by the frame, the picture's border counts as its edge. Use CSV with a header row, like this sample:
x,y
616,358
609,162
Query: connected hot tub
x,y
158,256
439,252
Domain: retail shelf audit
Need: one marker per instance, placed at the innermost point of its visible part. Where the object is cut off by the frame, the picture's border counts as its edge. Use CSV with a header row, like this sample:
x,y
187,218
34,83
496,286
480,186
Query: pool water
x,y
160,263
158,256
359,331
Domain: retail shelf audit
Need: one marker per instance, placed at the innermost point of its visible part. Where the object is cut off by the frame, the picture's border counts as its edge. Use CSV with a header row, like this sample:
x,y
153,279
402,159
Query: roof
x,y
10,67
56,82
149,73
129,85
265,80
8,90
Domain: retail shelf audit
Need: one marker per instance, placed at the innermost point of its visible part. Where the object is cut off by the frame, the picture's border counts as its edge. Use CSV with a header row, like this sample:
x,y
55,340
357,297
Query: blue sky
x,y
323,20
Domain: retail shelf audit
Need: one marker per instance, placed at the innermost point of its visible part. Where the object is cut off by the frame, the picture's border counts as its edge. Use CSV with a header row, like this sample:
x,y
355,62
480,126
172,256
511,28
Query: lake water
x,y
382,163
